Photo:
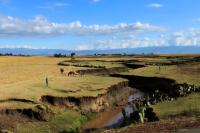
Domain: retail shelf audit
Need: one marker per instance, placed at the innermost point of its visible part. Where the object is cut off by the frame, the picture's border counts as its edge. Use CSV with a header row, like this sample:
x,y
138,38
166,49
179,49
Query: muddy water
x,y
118,119
112,118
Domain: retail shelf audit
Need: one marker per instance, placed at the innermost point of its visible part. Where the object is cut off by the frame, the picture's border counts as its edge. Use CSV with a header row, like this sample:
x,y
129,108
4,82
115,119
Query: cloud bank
x,y
123,35
40,26
190,37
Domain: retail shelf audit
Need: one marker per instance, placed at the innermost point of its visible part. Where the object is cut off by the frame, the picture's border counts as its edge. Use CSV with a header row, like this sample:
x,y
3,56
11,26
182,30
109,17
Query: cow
x,y
71,73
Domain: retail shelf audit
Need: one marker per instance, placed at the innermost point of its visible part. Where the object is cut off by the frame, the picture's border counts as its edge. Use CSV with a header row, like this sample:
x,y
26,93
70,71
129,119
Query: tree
x,y
73,56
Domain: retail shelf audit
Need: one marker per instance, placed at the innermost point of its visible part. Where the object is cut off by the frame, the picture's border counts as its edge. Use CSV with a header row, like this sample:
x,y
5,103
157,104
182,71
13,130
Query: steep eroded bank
x,y
115,95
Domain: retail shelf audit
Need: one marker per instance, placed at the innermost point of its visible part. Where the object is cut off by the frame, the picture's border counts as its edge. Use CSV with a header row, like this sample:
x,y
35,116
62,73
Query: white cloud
x,y
84,47
40,26
132,42
189,37
17,46
155,5
53,5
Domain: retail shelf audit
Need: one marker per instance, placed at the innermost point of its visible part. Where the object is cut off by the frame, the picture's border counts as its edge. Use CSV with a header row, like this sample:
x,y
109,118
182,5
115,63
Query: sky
x,y
99,24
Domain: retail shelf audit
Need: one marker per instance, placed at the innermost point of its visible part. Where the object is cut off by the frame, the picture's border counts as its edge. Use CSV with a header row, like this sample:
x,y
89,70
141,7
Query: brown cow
x,y
71,73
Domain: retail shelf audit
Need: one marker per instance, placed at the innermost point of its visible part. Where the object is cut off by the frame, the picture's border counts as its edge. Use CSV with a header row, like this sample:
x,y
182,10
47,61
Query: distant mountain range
x,y
145,50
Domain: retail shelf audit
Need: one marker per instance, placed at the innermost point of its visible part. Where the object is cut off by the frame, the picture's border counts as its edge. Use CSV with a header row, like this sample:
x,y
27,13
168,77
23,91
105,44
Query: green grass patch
x,y
66,121
184,105
182,73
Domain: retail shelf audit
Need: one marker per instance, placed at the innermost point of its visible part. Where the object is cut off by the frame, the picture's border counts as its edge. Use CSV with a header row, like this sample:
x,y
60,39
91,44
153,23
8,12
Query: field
x,y
187,105
187,73
27,75
94,64
23,88
23,78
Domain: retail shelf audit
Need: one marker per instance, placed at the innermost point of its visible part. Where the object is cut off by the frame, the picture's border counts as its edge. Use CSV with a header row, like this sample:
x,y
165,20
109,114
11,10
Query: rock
x,y
135,116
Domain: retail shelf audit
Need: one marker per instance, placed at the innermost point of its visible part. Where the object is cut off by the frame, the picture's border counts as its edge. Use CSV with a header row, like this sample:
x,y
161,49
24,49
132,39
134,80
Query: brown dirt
x,y
10,121
92,103
165,126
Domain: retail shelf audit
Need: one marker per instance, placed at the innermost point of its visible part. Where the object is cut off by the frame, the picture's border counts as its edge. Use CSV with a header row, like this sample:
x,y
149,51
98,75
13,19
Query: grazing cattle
x,y
61,70
71,73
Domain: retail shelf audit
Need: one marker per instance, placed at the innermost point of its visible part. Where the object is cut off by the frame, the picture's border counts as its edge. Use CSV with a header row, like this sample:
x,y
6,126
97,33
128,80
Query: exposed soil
x,y
160,88
30,113
10,118
9,122
115,94
18,100
148,84
36,112
165,126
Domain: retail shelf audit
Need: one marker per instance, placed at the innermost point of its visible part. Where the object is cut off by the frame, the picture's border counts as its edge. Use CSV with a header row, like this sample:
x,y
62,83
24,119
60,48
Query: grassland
x,y
185,106
63,121
93,64
24,78
187,73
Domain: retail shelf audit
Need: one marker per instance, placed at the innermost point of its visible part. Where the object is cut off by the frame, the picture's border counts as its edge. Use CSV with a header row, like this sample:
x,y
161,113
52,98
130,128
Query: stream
x,y
118,119
112,118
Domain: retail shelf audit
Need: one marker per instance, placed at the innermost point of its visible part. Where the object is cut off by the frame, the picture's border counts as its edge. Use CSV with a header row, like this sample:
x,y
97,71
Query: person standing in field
x,y
61,70
47,82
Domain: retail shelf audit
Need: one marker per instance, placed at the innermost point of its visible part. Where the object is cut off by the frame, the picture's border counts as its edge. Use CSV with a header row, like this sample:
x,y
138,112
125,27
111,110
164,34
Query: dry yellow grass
x,y
24,78
16,69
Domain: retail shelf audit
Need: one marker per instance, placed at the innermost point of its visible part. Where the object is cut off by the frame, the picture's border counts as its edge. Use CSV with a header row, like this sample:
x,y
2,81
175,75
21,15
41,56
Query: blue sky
x,y
99,24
